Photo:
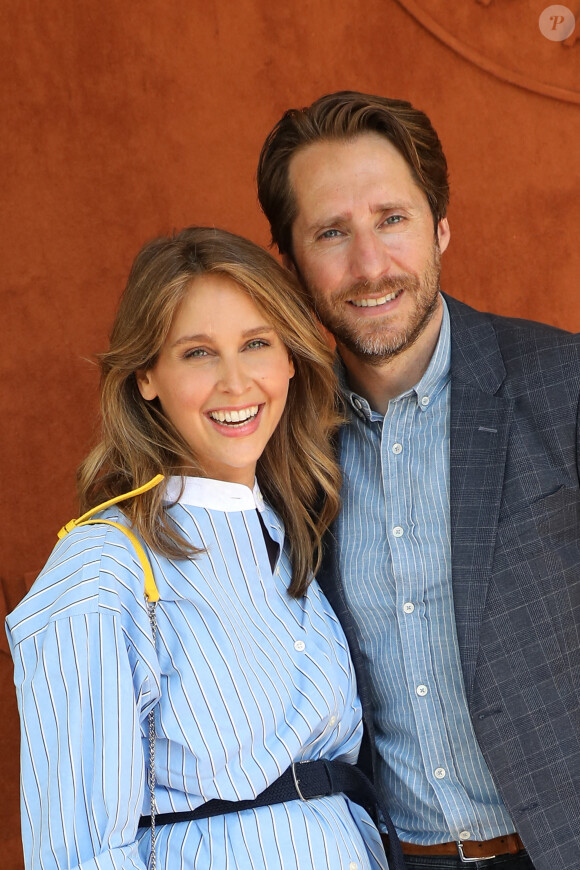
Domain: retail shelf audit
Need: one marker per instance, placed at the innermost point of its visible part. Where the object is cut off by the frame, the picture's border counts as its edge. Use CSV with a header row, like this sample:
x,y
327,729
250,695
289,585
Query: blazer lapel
x,y
480,421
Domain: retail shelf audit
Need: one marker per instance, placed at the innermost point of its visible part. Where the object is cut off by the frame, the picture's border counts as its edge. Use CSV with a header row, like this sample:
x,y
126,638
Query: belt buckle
x,y
295,778
295,765
465,860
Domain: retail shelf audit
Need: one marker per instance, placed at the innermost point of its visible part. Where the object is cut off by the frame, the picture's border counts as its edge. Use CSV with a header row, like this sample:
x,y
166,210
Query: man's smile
x,y
371,302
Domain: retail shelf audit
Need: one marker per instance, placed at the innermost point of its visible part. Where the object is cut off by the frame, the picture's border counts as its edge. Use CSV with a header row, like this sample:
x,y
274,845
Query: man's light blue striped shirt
x,y
395,561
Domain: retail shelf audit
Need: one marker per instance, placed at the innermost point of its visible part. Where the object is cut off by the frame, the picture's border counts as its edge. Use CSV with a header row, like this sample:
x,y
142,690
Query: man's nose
x,y
370,257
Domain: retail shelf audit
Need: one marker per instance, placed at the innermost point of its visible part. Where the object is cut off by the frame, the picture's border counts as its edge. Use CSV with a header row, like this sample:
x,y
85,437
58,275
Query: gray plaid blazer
x,y
515,520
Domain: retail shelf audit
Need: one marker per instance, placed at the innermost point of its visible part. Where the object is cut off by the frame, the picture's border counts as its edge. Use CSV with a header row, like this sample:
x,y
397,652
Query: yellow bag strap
x,y
151,592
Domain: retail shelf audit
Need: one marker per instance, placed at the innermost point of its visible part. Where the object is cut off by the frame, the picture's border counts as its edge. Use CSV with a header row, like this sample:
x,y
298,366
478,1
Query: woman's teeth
x,y
371,303
235,417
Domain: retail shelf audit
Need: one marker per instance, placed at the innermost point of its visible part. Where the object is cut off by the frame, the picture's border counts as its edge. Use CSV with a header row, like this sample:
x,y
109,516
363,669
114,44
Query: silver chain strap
x,y
151,723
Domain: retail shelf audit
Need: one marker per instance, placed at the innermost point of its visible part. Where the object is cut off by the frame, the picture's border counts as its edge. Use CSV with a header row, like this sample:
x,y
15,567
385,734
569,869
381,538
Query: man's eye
x,y
330,234
394,219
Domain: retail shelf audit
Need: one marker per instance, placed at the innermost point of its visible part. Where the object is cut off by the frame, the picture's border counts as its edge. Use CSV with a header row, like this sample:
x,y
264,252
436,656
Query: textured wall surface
x,y
123,121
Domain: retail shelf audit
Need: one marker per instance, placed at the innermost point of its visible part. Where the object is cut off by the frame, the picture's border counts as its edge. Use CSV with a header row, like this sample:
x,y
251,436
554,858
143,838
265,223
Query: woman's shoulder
x,y
92,568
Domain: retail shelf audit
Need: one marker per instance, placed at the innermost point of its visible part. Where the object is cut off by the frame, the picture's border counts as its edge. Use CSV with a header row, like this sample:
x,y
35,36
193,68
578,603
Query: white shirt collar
x,y
213,494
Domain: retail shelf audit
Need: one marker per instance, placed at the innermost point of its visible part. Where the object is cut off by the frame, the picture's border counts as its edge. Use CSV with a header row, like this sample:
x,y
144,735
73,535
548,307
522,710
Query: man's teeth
x,y
241,416
370,303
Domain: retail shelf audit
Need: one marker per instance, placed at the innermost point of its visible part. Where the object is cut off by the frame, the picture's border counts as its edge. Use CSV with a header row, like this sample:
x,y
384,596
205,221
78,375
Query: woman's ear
x,y
146,384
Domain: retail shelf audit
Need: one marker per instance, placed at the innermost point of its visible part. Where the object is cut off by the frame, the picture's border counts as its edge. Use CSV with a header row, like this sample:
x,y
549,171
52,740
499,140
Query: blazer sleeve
x,y
578,438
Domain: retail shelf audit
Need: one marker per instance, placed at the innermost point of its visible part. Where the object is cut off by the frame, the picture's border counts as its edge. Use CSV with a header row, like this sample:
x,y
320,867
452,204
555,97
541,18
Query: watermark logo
x,y
557,23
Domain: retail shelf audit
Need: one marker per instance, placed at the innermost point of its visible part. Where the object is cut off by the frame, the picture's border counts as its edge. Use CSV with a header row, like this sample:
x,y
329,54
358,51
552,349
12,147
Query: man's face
x,y
364,244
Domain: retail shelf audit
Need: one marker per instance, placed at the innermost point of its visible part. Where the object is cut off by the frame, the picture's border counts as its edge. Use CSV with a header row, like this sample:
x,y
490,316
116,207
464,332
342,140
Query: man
x,y
457,566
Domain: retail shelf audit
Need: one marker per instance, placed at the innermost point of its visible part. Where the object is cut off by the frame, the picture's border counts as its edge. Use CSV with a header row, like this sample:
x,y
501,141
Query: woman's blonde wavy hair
x,y
297,472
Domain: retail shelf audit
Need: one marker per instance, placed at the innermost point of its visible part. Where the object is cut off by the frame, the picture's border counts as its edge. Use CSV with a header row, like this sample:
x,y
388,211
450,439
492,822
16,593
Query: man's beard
x,y
374,342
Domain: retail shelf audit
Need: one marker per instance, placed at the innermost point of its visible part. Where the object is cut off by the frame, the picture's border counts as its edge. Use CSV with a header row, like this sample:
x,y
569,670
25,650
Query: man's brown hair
x,y
344,116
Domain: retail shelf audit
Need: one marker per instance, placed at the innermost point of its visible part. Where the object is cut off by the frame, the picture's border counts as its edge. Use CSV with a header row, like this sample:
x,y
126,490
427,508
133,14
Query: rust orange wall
x,y
121,121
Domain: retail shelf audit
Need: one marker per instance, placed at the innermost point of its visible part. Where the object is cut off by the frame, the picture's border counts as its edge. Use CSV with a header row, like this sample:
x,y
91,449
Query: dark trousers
x,y
437,862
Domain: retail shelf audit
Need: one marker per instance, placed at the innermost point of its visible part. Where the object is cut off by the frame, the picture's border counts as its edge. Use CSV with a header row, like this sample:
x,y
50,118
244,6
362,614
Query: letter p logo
x,y
557,23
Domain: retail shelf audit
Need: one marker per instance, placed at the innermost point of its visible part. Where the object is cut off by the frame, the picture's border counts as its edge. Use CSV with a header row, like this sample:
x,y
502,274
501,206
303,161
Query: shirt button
x,y
464,835
398,531
353,866
422,691
408,607
299,646
332,720
357,403
439,773
425,400
397,448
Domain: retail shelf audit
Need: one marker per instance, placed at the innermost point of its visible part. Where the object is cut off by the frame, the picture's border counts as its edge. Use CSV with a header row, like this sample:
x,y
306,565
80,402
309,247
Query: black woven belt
x,y
304,780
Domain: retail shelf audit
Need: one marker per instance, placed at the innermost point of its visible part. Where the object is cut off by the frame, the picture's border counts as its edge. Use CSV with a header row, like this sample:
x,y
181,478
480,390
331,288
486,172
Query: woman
x,y
216,378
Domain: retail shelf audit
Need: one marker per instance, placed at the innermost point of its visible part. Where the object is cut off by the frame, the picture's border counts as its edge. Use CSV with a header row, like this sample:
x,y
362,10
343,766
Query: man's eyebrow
x,y
392,206
202,337
339,219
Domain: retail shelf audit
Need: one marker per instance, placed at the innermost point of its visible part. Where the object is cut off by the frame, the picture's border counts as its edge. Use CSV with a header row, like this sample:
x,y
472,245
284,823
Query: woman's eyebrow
x,y
202,336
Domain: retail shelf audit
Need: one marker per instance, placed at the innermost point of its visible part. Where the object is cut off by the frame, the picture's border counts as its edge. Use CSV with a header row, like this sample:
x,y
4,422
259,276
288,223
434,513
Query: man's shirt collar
x,y
425,390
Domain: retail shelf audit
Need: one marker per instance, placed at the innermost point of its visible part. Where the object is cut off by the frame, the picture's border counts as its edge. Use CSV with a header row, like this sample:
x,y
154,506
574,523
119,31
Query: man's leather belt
x,y
472,850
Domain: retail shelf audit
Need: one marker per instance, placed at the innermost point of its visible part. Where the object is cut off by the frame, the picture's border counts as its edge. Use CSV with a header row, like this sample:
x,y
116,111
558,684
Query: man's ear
x,y
443,234
145,382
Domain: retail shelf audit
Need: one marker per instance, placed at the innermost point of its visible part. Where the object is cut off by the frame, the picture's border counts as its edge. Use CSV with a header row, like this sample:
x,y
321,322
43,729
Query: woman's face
x,y
221,377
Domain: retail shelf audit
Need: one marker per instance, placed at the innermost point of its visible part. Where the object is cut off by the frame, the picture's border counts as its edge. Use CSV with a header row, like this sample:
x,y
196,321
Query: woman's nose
x,y
234,378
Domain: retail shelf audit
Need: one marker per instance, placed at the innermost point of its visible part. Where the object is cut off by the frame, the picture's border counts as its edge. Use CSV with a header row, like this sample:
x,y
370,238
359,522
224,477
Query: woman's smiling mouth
x,y
235,417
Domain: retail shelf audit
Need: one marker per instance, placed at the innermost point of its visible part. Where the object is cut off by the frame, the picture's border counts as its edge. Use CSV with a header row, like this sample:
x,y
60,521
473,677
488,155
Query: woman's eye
x,y
195,353
257,343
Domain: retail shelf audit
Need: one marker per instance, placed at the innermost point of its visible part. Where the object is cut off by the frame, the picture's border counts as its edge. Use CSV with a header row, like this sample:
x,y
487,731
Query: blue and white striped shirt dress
x,y
244,681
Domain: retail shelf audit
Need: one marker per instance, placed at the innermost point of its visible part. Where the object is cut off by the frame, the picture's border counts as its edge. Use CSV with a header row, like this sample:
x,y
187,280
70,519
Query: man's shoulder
x,y
516,338
465,317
